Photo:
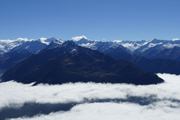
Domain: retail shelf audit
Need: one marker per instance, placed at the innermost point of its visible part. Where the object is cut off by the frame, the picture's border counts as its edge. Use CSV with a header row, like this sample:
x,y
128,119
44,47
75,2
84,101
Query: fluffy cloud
x,y
164,99
112,111
79,37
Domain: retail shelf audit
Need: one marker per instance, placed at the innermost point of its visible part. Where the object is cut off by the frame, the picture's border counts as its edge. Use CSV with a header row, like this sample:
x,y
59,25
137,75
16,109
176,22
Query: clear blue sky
x,y
96,19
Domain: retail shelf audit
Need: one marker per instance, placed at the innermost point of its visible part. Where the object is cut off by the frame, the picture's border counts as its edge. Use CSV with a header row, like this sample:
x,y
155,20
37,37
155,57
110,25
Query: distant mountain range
x,y
155,55
165,49
158,56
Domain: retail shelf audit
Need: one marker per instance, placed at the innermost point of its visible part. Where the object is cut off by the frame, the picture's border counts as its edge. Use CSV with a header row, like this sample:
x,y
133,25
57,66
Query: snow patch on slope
x,y
169,45
131,45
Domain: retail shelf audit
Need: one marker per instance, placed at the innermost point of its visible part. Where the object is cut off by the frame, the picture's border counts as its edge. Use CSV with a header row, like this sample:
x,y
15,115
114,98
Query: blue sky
x,y
96,19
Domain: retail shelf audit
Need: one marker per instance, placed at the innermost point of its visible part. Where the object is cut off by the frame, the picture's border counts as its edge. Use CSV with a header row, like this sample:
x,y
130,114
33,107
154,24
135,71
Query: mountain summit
x,y
69,62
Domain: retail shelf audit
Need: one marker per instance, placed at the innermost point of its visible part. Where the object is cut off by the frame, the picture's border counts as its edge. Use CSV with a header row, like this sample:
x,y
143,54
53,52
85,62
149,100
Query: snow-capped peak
x,y
77,38
22,39
117,41
47,41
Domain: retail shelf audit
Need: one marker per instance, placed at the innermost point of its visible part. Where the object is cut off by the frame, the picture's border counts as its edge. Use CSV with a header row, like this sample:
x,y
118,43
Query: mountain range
x,y
67,62
158,56
165,49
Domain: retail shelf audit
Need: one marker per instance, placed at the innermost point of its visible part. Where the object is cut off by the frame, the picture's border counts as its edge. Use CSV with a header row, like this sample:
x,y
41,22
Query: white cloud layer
x,y
79,37
112,111
162,109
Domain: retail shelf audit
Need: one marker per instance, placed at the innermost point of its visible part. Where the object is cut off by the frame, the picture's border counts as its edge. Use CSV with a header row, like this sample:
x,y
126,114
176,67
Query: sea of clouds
x,y
91,101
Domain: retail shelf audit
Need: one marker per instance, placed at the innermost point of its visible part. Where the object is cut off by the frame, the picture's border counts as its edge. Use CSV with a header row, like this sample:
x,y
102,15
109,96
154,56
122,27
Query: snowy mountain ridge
x,y
14,51
135,47
7,45
24,43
